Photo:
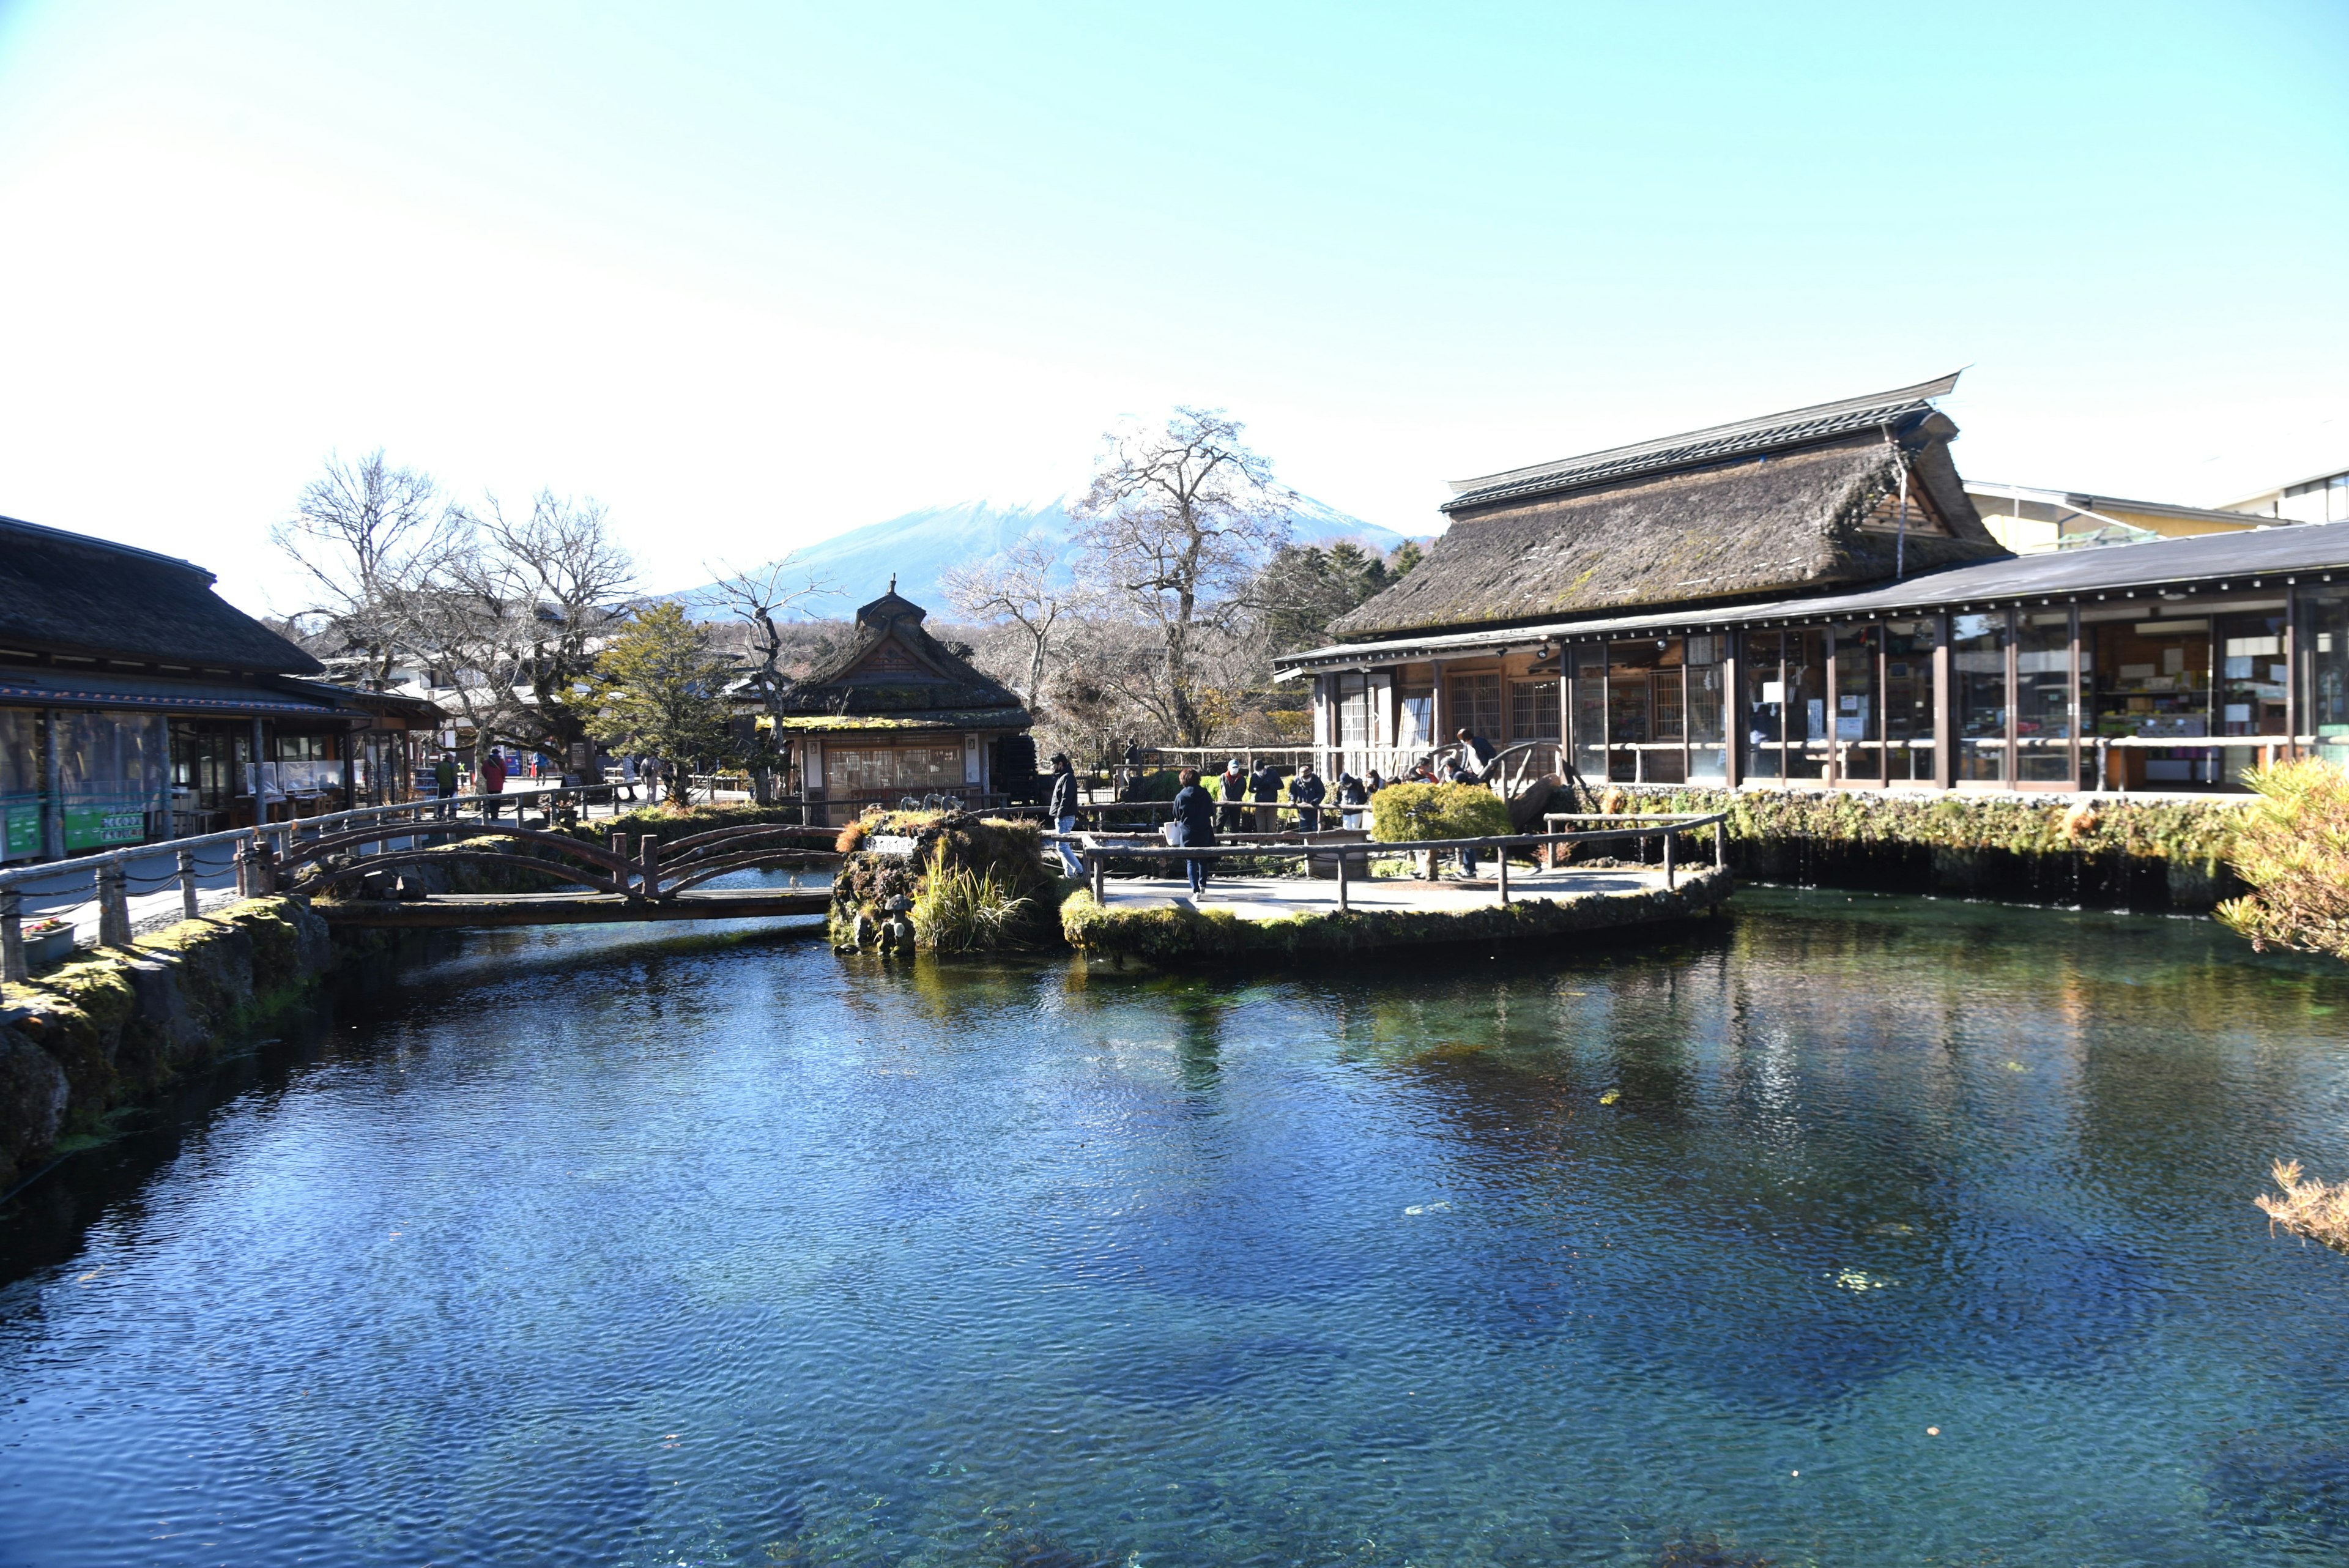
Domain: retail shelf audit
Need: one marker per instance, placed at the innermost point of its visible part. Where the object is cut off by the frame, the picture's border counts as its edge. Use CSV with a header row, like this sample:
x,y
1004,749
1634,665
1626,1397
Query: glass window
x,y
115,771
1762,703
20,784
857,770
1533,711
1415,720
921,769
1476,702
1646,713
1909,699
1858,708
2043,698
2253,677
1707,718
1805,663
1978,671
2328,636
2152,684
1590,665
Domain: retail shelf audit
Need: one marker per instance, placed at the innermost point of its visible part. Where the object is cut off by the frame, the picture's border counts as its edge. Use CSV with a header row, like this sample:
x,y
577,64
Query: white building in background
x,y
2324,499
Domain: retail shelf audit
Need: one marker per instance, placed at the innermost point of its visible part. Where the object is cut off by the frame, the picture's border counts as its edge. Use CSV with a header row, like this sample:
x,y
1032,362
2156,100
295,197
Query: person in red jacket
x,y
493,781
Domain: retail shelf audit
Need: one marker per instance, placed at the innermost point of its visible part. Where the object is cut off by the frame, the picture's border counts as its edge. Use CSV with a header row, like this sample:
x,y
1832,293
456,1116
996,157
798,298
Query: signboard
x,y
890,843
95,826
20,828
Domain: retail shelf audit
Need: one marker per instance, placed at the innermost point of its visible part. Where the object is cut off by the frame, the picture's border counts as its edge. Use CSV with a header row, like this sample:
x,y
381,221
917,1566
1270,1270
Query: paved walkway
x,y
1272,898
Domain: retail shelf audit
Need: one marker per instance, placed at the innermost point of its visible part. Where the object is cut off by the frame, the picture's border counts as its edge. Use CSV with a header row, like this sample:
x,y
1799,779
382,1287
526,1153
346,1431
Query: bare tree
x,y
525,613
1175,524
371,539
1018,589
757,597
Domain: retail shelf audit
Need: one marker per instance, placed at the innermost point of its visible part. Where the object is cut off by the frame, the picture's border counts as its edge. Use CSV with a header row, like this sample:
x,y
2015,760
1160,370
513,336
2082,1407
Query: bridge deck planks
x,y
445,910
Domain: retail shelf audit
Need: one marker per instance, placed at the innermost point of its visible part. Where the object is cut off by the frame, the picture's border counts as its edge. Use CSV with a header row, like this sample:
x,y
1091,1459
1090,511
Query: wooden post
x,y
618,841
113,907
187,868
2291,664
1720,845
1505,874
1945,724
1097,869
12,936
1343,904
648,864
1669,876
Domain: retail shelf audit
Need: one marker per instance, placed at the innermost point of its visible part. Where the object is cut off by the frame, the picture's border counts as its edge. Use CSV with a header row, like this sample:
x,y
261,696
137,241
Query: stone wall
x,y
125,1021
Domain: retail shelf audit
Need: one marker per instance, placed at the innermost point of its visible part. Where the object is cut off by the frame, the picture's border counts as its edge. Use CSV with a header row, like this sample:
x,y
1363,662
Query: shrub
x,y
1405,813
2308,1207
960,911
2293,847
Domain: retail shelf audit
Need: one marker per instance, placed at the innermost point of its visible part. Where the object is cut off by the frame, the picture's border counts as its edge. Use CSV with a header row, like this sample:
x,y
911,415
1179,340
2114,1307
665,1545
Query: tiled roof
x,y
1796,426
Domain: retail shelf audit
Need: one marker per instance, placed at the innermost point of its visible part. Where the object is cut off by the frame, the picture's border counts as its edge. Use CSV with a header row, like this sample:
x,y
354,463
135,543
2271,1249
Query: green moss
x,y
2199,831
1005,854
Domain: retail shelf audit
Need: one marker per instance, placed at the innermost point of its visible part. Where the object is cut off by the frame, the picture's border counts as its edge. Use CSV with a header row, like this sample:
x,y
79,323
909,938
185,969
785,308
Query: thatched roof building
x,y
898,714
1815,498
1810,598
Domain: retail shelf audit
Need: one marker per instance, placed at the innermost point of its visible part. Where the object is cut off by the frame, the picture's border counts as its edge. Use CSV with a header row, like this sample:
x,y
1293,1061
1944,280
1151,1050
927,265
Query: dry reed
x,y
2308,1207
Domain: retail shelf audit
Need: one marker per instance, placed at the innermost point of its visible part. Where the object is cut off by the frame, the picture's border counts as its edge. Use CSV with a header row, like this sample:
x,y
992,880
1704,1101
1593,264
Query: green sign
x,y
93,827
20,828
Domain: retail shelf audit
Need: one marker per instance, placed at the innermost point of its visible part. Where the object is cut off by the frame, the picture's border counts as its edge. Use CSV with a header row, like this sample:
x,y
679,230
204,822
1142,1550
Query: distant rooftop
x,y
1795,427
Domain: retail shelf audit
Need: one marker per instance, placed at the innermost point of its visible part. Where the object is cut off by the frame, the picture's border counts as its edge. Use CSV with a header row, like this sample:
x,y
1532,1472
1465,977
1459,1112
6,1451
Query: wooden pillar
x,y
2014,690
1439,707
53,787
1834,730
1733,710
1945,738
2078,699
12,936
2292,668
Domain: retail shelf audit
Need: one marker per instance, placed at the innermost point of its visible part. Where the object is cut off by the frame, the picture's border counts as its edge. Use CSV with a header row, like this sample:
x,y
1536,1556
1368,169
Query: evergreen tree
x,y
660,688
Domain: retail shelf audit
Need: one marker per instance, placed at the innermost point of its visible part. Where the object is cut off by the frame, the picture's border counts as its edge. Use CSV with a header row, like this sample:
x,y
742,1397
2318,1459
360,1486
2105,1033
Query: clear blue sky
x,y
754,274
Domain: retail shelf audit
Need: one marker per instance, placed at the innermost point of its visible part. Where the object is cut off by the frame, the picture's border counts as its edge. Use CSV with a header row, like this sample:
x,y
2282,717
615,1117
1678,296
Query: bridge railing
x,y
1348,852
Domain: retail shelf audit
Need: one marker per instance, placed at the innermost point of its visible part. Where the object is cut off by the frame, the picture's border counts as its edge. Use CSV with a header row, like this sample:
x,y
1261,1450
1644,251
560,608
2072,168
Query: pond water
x,y
1853,1231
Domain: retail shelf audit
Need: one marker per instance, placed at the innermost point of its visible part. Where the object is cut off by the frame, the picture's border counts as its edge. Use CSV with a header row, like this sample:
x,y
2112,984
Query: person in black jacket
x,y
1233,785
1264,784
1060,805
1195,825
1307,792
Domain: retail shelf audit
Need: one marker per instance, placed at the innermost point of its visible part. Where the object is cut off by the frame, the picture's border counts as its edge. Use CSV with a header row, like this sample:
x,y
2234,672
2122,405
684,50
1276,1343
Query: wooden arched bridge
x,y
646,879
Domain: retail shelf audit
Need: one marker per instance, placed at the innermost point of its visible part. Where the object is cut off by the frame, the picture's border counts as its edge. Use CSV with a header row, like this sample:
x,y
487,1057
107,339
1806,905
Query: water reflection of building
x,y
135,704
898,715
1812,597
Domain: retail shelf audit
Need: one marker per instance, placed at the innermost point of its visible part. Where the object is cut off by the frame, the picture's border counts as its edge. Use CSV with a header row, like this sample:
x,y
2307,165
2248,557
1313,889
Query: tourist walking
x,y
1457,771
1193,826
444,784
1352,796
628,776
1060,805
1307,792
650,769
1265,784
1233,787
1372,785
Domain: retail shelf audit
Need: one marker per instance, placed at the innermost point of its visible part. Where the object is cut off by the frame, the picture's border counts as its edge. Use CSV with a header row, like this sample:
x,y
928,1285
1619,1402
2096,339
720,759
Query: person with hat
x,y
1060,805
1233,788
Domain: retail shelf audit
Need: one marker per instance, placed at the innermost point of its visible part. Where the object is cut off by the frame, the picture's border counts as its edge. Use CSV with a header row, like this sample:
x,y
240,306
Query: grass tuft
x,y
2307,1207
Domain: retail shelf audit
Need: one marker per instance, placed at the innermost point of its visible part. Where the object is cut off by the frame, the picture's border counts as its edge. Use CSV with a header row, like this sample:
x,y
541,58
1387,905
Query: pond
x,y
1853,1230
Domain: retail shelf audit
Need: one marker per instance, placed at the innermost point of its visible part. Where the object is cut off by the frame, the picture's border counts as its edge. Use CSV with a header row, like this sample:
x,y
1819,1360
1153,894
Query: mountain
x,y
920,545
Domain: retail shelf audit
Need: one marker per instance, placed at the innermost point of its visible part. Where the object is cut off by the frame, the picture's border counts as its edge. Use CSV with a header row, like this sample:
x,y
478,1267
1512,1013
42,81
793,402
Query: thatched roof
x,y
1812,511
67,593
894,670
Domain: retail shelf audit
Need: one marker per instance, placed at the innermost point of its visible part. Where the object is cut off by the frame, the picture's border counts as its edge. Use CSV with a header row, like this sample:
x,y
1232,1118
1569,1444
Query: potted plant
x,y
49,941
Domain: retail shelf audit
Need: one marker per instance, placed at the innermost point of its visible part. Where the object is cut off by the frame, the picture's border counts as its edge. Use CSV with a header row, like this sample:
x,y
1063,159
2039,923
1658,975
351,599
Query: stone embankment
x,y
124,1023
1182,933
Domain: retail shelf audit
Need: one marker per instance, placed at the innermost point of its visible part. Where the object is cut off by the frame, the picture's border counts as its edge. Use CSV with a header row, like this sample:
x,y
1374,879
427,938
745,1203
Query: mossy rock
x,y
868,884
